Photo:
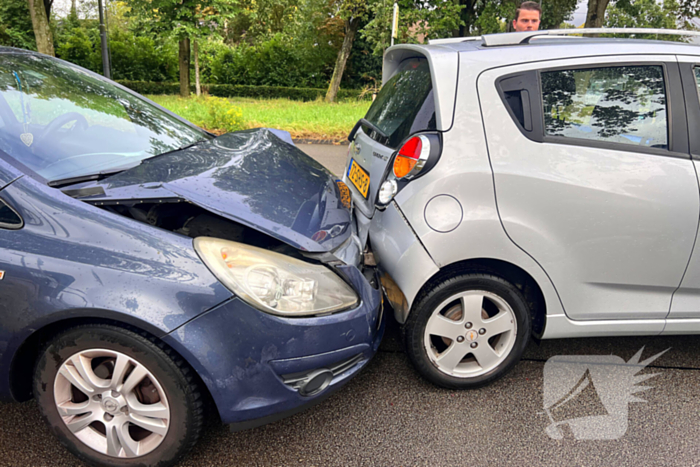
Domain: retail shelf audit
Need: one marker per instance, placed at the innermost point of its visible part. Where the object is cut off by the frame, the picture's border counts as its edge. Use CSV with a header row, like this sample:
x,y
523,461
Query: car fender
x,y
74,260
468,226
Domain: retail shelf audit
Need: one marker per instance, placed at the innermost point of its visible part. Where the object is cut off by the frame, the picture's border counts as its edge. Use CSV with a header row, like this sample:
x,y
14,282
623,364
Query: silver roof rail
x,y
518,38
453,40
515,38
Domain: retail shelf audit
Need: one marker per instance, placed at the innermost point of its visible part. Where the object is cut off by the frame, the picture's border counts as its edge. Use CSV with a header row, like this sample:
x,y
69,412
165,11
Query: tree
x,y
259,20
689,8
291,43
42,31
670,14
47,7
494,16
595,17
206,25
646,14
184,61
197,83
184,20
364,67
352,12
482,17
556,13
16,28
417,20
81,46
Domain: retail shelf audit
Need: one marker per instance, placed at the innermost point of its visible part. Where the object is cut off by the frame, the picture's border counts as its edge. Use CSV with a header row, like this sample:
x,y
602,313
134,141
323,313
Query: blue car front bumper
x,y
253,363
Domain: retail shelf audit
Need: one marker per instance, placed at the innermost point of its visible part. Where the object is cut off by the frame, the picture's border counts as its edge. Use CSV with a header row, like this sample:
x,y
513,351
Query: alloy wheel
x,y
111,403
470,333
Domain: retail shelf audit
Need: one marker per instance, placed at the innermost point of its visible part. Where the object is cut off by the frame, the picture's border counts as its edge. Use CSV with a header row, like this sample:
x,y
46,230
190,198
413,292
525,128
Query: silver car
x,y
515,186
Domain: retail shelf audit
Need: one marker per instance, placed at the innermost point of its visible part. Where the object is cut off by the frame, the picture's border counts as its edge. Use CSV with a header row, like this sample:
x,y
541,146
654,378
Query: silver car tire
x,y
117,398
467,331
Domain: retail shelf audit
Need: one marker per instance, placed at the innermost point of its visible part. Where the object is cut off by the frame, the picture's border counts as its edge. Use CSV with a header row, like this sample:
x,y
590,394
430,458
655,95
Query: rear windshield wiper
x,y
370,125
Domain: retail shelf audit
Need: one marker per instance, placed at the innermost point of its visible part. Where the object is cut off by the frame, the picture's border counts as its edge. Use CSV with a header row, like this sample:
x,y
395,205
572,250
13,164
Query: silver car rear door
x,y
684,316
595,189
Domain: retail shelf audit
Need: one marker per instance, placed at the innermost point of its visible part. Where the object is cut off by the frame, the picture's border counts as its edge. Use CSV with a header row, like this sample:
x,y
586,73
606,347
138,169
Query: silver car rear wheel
x,y
112,403
467,330
470,333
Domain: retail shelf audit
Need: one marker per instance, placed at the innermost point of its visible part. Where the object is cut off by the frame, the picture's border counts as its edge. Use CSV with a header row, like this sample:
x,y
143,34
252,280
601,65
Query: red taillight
x,y
410,155
412,148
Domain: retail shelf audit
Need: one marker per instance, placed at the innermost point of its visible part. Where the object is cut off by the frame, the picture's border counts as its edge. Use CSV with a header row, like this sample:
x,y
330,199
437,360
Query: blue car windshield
x,y
64,122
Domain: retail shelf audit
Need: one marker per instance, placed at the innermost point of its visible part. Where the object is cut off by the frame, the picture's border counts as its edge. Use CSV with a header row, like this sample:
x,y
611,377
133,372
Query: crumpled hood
x,y
251,177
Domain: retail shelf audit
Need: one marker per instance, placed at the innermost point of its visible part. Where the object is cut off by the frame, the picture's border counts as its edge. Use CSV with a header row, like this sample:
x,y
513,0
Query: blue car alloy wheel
x,y
113,397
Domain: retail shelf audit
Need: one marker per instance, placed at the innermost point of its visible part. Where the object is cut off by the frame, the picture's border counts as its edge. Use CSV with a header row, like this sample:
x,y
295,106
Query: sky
x,y
61,7
580,13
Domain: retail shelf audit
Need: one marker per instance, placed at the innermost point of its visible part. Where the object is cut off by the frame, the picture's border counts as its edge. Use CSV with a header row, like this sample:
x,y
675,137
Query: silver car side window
x,y
696,70
623,104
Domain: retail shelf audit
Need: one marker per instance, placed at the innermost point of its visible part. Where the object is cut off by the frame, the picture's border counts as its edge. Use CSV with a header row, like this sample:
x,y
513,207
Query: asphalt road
x,y
389,416
331,156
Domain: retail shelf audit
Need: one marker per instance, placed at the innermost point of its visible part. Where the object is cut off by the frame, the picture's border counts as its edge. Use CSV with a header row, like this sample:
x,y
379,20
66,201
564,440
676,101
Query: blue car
x,y
152,274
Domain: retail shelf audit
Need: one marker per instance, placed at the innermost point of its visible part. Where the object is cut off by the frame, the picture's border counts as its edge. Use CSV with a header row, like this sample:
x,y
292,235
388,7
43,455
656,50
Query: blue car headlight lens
x,y
273,282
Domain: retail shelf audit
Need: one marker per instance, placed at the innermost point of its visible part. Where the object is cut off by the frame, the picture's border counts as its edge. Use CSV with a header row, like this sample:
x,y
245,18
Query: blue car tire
x,y
116,398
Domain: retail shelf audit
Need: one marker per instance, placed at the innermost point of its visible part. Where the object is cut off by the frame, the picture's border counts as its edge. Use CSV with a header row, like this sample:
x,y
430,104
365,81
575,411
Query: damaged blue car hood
x,y
251,177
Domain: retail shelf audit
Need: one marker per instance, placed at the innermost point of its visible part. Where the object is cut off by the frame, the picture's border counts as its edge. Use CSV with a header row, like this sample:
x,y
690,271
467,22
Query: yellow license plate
x,y
359,177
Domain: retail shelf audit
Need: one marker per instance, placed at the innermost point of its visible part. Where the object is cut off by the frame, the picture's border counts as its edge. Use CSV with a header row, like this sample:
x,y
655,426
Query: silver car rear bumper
x,y
401,255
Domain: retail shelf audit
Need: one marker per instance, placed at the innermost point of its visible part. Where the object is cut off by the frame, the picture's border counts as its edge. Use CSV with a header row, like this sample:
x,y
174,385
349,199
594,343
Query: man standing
x,y
527,17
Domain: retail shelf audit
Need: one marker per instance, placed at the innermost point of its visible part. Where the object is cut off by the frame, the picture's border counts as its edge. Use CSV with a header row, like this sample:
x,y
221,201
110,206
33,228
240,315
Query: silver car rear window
x,y
405,105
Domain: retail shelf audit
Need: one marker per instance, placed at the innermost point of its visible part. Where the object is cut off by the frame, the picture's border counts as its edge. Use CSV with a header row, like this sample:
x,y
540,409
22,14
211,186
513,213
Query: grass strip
x,y
316,120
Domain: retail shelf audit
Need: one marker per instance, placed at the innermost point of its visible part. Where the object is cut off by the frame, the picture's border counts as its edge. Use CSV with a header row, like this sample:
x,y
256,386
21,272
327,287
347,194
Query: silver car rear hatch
x,y
409,102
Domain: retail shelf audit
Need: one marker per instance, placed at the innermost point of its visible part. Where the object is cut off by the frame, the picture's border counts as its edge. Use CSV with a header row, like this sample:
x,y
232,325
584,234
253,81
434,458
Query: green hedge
x,y
230,90
148,87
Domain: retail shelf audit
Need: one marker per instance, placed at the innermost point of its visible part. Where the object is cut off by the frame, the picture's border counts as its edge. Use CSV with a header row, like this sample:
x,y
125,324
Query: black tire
x,y
426,304
173,374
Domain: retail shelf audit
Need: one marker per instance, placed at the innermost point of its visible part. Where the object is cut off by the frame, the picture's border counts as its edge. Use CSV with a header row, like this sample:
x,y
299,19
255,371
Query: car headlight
x,y
273,282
